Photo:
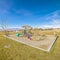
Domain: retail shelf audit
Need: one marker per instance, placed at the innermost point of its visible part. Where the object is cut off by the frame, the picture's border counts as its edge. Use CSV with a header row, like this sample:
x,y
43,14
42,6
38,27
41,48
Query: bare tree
x,y
4,28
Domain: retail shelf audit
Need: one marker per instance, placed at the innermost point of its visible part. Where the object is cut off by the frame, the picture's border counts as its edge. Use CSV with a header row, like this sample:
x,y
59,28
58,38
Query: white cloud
x,y
56,22
50,26
54,19
52,15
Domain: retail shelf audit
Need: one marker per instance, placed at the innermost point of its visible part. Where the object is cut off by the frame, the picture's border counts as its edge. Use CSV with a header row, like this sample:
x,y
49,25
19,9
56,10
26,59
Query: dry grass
x,y
18,51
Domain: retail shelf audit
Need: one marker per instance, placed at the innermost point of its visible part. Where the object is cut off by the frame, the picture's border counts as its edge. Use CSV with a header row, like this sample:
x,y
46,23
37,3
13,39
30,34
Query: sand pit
x,y
42,44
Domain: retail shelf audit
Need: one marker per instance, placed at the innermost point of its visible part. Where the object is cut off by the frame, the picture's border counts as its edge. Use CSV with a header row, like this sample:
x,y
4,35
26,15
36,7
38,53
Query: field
x,y
12,50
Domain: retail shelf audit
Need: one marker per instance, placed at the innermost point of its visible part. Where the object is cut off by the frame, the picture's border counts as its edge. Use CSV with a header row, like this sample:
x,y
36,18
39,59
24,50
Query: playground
x,y
42,42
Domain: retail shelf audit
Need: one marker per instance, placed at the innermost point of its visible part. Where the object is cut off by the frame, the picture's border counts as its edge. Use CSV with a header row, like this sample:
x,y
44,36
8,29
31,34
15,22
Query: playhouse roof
x,y
27,27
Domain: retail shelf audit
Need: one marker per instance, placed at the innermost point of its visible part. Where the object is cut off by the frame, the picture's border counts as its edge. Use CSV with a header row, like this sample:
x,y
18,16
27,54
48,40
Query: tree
x,y
4,28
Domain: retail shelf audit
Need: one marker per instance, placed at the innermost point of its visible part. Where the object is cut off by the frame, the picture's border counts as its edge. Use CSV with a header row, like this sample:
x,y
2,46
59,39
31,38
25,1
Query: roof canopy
x,y
27,27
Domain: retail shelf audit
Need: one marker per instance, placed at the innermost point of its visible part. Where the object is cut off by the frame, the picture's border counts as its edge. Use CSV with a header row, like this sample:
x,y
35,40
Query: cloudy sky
x,y
37,13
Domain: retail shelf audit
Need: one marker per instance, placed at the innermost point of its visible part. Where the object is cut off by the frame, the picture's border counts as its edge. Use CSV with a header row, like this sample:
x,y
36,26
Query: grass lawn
x,y
19,51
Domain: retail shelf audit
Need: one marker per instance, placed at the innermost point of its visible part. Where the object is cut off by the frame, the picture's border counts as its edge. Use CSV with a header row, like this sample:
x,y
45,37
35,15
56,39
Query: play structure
x,y
25,32
30,34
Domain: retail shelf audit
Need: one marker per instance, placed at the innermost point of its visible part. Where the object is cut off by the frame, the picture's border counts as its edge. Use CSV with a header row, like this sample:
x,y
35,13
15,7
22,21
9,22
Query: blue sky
x,y
37,13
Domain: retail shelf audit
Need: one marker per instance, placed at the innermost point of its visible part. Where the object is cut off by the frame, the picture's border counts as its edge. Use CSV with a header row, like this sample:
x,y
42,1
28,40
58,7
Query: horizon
x,y
36,13
12,29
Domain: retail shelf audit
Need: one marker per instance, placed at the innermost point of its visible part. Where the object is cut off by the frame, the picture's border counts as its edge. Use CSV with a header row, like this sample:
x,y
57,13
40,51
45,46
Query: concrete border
x,y
52,43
